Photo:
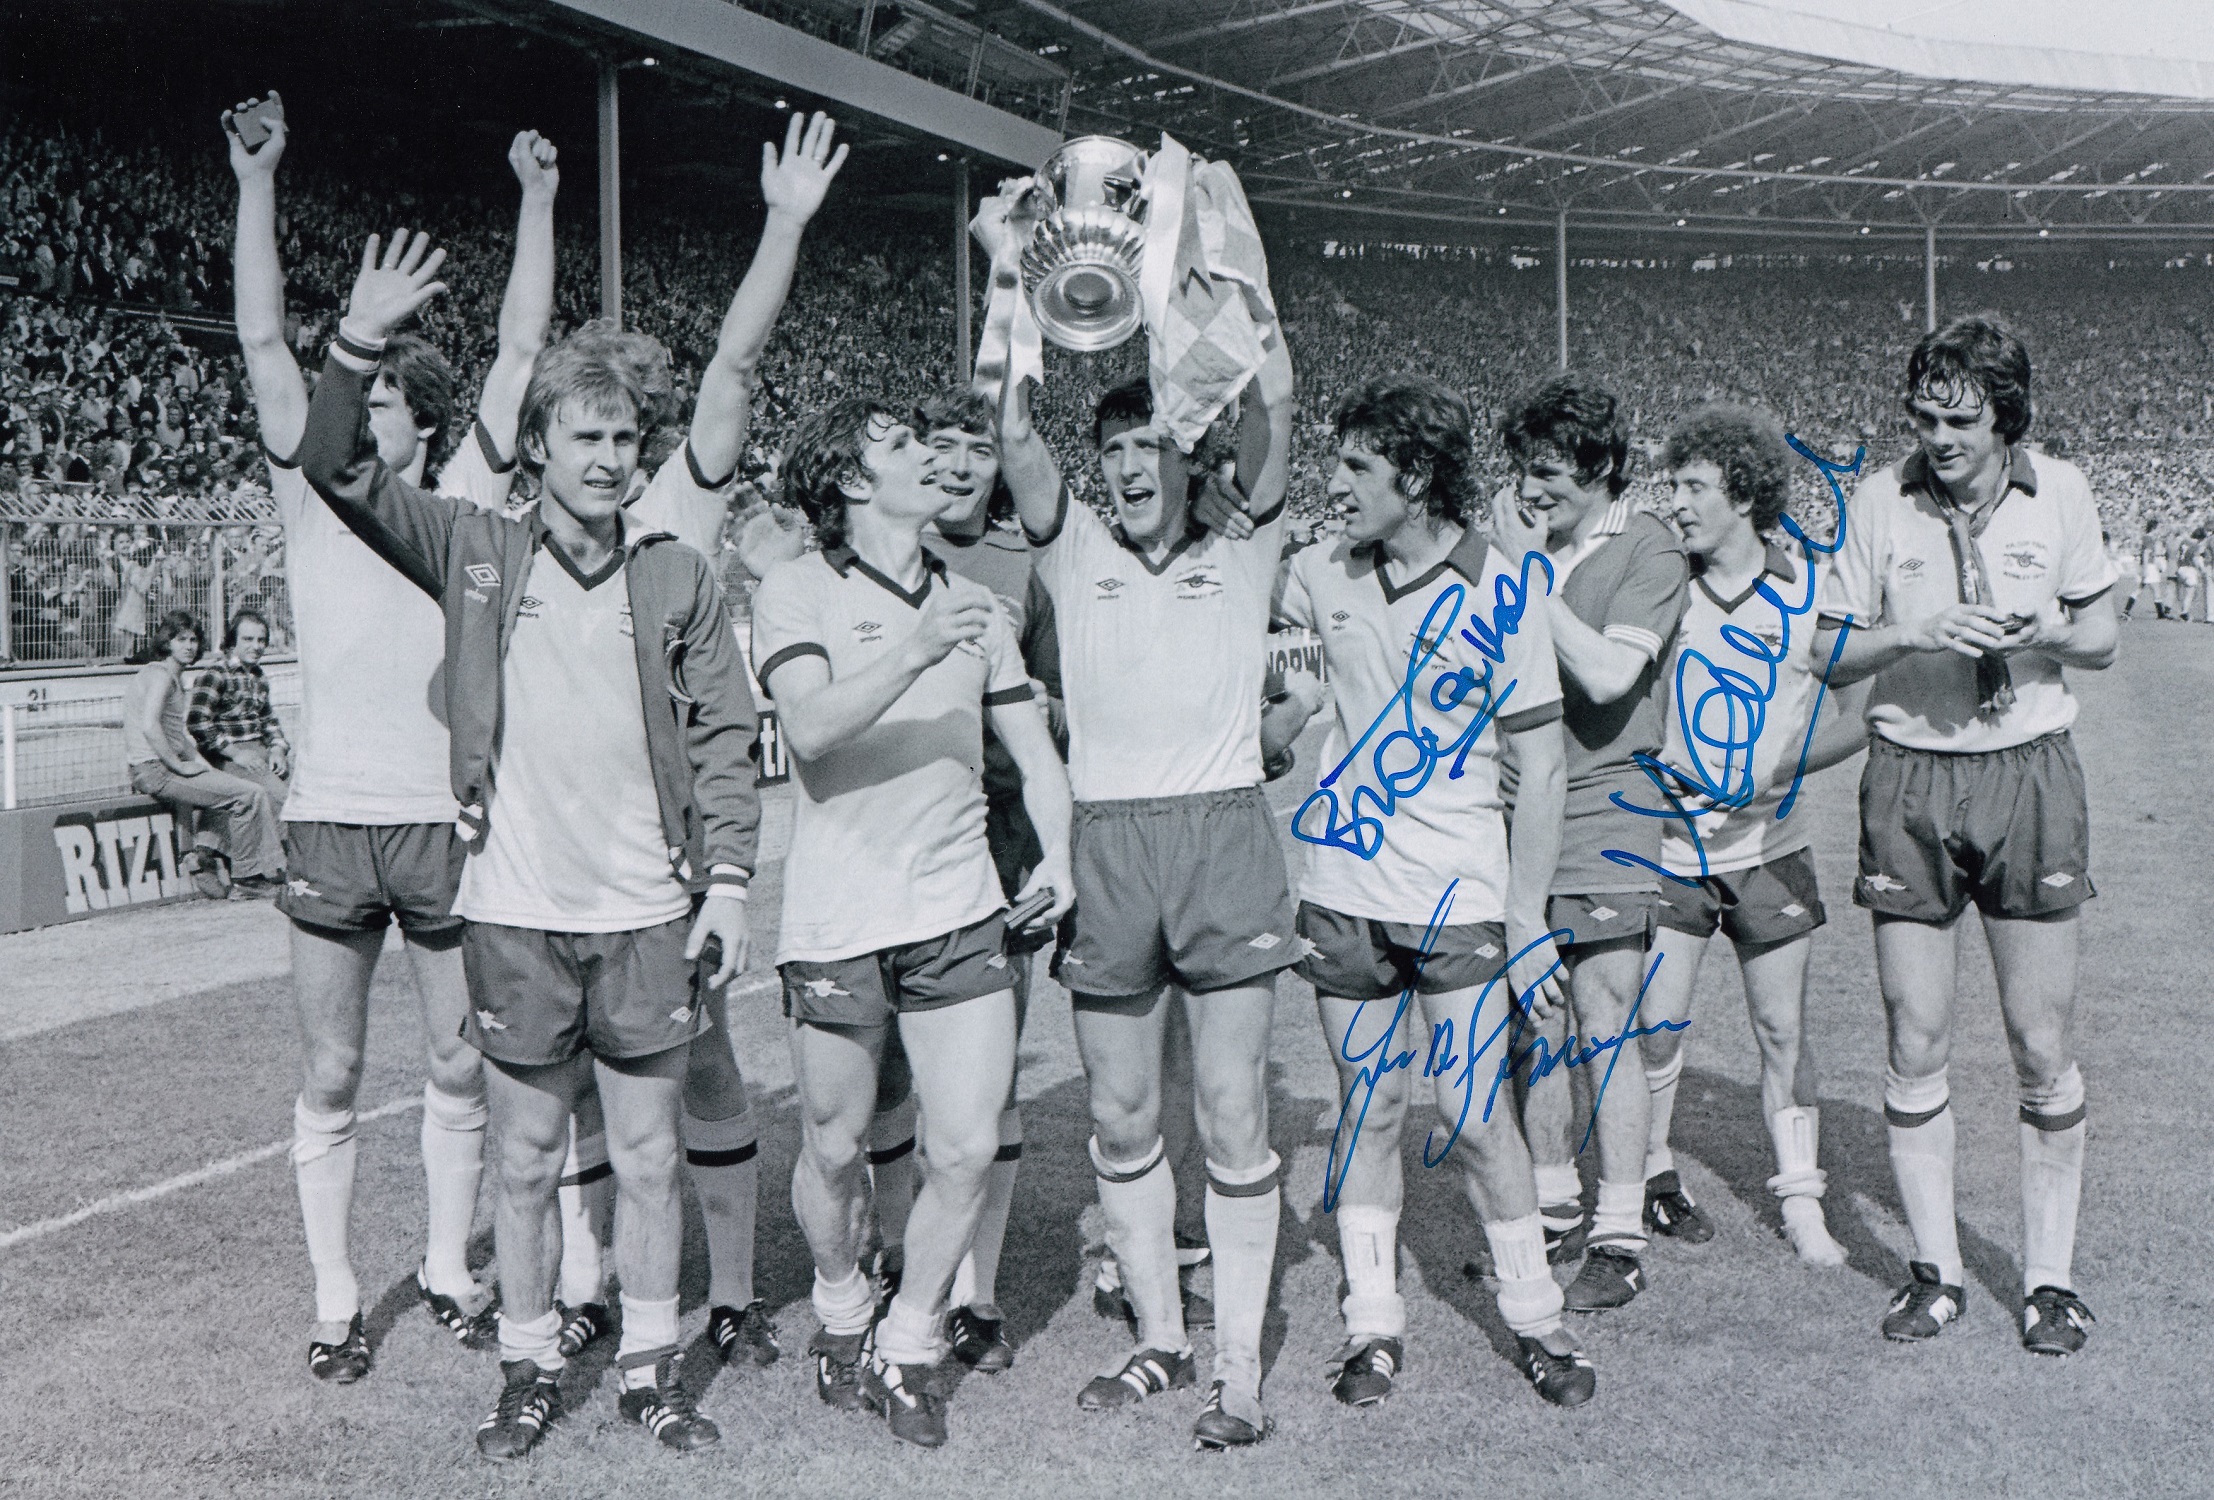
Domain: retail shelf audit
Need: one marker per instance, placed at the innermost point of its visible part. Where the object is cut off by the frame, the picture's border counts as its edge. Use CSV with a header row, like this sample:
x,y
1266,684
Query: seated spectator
x,y
230,718
166,765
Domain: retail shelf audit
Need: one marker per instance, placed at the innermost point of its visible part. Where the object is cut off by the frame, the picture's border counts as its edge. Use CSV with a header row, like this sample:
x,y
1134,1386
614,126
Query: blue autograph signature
x,y
1377,1060
1744,696
1362,832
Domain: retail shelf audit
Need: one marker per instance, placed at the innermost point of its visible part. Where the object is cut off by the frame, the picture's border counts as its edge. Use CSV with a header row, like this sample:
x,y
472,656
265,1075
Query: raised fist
x,y
534,159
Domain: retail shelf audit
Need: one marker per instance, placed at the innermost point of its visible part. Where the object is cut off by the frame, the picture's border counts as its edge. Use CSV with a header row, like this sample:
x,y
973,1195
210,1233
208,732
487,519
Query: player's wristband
x,y
356,347
727,880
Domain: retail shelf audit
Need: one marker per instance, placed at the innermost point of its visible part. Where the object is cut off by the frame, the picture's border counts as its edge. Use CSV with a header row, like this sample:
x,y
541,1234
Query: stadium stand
x,y
124,396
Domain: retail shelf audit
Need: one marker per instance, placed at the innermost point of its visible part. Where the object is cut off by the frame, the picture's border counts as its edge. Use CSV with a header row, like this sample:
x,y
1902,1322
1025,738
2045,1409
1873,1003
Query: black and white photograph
x,y
1061,748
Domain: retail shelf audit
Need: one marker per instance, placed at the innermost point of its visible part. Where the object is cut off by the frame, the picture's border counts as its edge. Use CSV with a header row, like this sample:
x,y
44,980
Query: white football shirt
x,y
680,500
371,740
575,843
1161,664
475,474
888,842
1743,677
1895,566
1425,831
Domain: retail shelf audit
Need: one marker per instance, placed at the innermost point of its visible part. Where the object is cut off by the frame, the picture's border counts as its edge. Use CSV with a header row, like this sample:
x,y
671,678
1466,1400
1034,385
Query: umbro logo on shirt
x,y
484,575
870,632
1108,587
1338,617
1911,565
529,608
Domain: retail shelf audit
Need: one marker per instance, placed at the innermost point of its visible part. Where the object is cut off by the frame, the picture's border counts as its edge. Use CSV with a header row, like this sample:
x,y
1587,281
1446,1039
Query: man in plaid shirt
x,y
230,718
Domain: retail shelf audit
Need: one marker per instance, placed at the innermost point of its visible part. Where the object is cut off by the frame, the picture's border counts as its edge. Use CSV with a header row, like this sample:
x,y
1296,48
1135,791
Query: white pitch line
x,y
117,1202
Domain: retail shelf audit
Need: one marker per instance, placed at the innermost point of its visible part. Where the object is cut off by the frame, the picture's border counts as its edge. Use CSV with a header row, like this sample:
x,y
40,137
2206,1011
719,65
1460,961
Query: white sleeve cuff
x,y
1637,638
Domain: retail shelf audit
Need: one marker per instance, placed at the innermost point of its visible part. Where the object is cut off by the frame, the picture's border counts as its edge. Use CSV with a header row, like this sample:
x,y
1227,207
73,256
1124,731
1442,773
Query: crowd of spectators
x,y
124,402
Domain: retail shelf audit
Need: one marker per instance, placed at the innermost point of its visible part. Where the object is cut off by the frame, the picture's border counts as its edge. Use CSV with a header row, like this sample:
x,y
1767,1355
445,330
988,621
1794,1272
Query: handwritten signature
x,y
1362,831
1377,1061
1740,698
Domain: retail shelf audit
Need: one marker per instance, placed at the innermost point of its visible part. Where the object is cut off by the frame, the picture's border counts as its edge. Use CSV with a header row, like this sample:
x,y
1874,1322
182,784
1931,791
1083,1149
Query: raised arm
x,y
1002,226
526,311
1264,472
407,527
793,185
257,285
1027,463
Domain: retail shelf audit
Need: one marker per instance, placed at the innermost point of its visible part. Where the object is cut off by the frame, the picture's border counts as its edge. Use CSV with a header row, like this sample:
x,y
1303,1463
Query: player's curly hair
x,y
1572,415
1421,427
607,370
1747,445
960,409
828,449
1974,356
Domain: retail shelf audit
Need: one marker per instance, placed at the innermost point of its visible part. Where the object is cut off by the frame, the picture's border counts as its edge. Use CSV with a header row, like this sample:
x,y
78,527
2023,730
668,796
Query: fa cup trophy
x,y
1082,264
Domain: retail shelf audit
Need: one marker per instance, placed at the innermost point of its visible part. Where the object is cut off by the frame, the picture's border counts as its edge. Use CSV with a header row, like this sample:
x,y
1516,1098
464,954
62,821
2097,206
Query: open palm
x,y
793,183
392,286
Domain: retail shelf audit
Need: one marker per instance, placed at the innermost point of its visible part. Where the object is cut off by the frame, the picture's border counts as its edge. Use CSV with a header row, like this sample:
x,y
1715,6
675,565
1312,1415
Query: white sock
x,y
724,1158
1560,1194
453,1166
1797,1135
586,1197
976,1281
1244,1206
538,1340
1919,1119
1530,1300
1139,1201
1368,1239
2053,1133
1619,1220
649,1331
323,1162
846,1306
1661,1084
892,1167
909,1335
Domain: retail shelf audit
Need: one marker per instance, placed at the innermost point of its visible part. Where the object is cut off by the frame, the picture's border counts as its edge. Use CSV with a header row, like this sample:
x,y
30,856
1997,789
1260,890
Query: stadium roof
x,y
1804,116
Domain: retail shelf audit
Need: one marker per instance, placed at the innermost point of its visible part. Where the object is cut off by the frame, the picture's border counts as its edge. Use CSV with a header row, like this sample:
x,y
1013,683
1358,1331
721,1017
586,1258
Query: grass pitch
x,y
158,1349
